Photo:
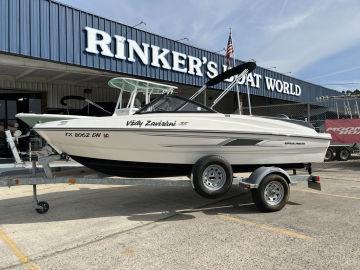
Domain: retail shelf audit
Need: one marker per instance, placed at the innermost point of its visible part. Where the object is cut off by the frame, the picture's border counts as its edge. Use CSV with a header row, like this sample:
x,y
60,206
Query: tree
x,y
355,92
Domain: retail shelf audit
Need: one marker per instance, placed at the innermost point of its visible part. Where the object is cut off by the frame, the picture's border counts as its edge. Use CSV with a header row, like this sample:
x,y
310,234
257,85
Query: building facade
x,y
49,50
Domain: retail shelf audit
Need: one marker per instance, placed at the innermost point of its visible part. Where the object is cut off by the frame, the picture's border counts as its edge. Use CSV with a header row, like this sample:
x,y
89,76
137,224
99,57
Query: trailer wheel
x,y
43,207
329,155
212,176
272,194
343,154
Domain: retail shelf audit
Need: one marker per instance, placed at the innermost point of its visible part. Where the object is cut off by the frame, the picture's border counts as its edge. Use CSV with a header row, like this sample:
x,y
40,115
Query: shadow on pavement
x,y
352,165
132,202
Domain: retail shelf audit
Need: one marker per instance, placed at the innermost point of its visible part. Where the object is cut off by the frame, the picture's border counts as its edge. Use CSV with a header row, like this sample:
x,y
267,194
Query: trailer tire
x,y
212,176
272,193
329,155
343,154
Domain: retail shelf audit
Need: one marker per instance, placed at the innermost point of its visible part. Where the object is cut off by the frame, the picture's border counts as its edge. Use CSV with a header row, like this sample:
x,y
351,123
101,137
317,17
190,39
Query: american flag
x,y
229,51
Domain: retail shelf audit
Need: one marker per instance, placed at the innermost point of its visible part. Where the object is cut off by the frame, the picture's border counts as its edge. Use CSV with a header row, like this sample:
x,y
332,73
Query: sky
x,y
315,40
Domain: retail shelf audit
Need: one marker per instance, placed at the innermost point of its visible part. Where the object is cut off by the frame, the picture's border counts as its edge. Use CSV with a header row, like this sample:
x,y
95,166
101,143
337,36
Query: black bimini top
x,y
174,104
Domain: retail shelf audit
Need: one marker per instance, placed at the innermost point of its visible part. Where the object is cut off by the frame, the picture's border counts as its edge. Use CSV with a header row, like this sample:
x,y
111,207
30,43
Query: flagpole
x,y
237,85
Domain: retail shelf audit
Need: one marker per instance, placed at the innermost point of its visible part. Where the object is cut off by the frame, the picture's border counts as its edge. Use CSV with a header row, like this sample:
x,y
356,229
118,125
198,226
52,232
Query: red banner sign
x,y
344,130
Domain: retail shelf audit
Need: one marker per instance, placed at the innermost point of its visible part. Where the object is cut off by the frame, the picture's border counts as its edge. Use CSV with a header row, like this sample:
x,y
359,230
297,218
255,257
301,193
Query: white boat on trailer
x,y
169,144
173,136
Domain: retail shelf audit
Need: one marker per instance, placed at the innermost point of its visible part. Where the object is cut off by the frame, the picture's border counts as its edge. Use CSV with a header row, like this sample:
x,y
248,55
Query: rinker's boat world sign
x,y
99,42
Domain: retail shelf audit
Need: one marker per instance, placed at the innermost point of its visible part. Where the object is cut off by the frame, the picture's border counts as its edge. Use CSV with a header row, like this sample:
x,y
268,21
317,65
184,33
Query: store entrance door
x,y
11,104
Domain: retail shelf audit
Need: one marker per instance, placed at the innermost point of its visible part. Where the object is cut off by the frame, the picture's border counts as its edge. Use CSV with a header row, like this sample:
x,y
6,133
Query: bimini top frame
x,y
135,86
239,72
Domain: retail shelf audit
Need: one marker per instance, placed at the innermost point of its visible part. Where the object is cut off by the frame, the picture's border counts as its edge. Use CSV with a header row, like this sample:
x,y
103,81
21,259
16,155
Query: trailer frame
x,y
253,182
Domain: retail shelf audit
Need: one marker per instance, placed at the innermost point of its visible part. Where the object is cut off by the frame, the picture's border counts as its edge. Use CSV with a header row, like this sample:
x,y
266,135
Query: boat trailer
x,y
269,186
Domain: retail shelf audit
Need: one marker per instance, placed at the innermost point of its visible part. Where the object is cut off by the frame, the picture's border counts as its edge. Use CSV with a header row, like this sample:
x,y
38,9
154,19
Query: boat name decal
x,y
150,123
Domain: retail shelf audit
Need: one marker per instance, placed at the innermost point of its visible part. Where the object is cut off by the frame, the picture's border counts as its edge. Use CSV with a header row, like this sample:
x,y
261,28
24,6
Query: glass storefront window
x,y
11,109
34,105
2,109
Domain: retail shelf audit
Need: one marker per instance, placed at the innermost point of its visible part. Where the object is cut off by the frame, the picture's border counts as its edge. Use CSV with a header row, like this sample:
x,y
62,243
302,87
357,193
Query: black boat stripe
x,y
228,142
243,142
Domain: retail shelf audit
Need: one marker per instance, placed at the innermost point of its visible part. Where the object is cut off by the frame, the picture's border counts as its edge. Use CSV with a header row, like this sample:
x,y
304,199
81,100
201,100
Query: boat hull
x,y
148,169
170,144
31,119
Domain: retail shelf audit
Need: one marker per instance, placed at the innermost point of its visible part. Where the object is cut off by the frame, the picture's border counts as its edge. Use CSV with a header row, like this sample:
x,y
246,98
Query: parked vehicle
x,y
345,141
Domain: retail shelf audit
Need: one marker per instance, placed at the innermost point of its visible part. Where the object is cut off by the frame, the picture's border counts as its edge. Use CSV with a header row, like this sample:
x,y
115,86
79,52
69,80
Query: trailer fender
x,y
259,174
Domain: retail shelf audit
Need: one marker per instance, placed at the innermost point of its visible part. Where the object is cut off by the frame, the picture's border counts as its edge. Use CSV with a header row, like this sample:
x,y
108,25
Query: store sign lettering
x,y
99,42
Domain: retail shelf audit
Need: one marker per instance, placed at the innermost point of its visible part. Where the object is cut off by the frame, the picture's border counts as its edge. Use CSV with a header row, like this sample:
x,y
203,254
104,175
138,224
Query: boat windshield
x,y
171,103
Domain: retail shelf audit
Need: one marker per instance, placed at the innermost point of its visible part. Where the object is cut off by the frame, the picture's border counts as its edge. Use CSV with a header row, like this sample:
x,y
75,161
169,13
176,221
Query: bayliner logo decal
x,y
344,130
150,123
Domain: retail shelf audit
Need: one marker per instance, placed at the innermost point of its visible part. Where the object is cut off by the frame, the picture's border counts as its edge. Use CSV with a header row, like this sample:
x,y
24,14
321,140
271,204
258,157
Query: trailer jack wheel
x,y
41,207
